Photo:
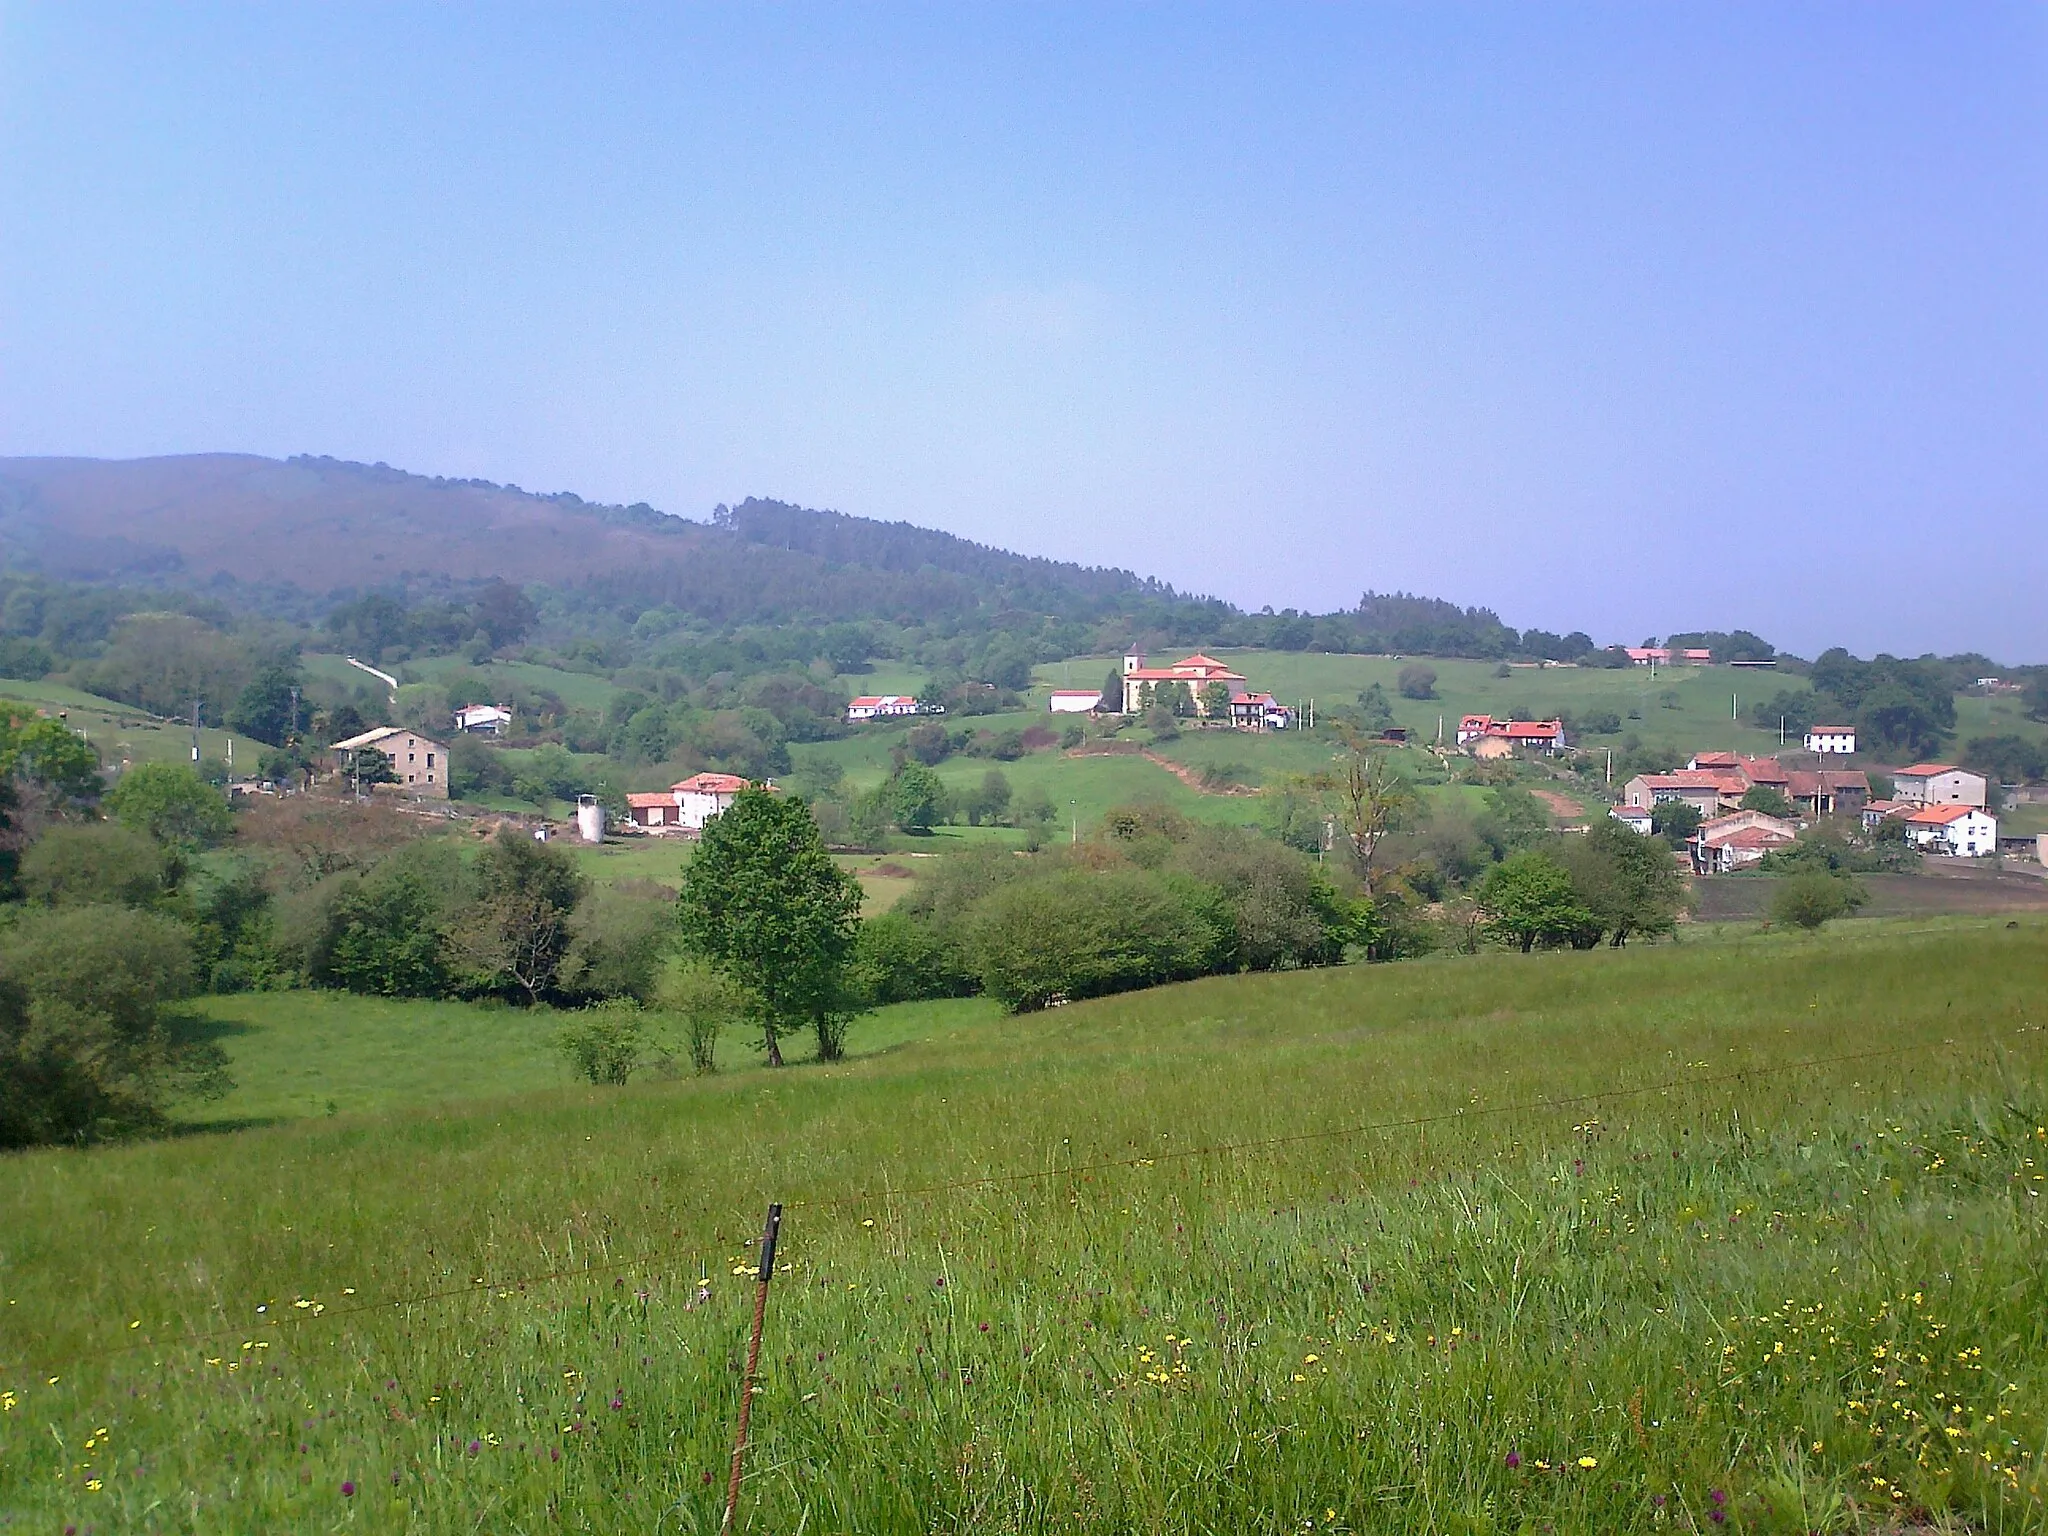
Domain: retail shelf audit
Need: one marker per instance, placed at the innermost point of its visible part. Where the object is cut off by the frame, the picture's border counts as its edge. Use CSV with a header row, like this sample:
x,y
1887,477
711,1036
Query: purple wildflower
x,y
1514,1459
348,1490
475,1446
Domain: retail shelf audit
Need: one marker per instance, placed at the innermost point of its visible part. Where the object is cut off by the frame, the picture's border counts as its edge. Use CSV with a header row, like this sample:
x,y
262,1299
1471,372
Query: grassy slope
x,y
123,733
1774,1288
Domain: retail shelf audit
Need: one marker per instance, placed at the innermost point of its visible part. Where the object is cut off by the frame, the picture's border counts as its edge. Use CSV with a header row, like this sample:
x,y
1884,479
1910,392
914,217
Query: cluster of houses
x,y
1140,686
1942,807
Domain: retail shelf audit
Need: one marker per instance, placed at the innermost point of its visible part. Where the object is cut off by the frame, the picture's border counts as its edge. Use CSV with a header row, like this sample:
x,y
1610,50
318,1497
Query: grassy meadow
x,y
1747,1234
124,734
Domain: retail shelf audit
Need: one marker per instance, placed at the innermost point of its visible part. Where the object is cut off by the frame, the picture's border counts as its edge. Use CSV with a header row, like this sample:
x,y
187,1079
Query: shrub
x,y
1813,900
86,1047
1416,681
604,1042
703,1002
616,940
97,863
387,933
1074,934
898,958
172,804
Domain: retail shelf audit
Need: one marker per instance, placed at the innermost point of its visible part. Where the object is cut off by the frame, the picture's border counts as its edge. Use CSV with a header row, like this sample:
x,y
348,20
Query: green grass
x,y
1783,1287
2018,820
124,734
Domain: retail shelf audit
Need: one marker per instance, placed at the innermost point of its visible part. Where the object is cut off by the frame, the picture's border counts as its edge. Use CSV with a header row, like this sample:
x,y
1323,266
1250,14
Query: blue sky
x,y
1621,318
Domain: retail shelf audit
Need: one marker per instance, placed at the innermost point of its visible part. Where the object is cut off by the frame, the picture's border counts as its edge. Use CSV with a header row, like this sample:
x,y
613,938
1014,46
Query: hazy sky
x,y
1628,319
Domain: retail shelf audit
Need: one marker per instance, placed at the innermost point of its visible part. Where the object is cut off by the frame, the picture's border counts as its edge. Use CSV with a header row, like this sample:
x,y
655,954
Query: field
x,y
1619,1241
124,734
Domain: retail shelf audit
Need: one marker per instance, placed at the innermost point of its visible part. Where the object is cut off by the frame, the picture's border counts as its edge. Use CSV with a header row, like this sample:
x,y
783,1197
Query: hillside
x,y
322,525
1610,1241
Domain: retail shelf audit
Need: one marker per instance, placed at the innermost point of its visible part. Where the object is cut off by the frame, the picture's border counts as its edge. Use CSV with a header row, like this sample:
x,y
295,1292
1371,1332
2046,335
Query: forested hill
x,y
302,534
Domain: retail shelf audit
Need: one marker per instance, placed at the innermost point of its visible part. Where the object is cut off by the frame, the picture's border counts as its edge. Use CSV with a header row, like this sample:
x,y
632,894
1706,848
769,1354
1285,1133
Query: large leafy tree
x,y
1630,883
172,804
917,796
518,932
1529,900
265,708
765,904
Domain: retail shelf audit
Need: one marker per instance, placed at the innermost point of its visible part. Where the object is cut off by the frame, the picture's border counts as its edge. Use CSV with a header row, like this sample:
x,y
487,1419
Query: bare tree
x,y
1369,798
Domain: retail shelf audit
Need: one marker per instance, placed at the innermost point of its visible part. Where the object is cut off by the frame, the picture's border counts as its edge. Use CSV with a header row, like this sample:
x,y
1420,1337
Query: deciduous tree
x,y
765,904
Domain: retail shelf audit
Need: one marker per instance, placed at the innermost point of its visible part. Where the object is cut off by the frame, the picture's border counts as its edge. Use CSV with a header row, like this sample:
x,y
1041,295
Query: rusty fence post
x,y
739,1440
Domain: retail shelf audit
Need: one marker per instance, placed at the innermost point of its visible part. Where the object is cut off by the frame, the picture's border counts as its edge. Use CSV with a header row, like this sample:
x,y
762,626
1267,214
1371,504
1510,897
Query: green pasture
x,y
578,690
124,734
1614,1241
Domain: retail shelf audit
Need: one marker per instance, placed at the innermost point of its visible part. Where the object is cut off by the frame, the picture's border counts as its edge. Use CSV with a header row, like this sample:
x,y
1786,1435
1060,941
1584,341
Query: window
x,y
430,759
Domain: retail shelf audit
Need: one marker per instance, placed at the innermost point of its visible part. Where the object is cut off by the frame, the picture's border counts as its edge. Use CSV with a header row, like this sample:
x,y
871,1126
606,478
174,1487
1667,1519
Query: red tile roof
x,y
1926,770
1939,815
711,784
641,802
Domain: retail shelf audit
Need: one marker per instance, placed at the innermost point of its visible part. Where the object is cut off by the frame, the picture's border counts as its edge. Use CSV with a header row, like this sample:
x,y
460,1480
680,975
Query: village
x,y
1725,811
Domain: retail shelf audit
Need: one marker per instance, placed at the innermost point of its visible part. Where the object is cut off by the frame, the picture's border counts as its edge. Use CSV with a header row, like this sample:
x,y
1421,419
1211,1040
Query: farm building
x,y
1484,736
1074,701
1259,712
420,766
483,719
1729,843
1938,784
1638,817
1964,831
1831,739
687,805
886,706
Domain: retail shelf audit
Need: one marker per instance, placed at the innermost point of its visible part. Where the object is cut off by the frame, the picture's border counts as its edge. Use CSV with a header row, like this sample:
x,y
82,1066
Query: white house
x,y
483,719
1831,738
1938,784
419,765
884,706
1259,712
1962,830
687,805
1639,817
1074,701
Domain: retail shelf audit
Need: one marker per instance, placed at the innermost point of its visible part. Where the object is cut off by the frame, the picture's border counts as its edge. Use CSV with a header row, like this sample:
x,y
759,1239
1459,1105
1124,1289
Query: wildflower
x,y
1514,1460
475,1446
1719,1496
1589,1462
618,1401
348,1490
1717,1515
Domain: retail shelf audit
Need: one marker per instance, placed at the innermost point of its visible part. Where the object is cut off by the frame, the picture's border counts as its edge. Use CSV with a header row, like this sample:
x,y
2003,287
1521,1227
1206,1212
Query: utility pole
x,y
1074,822
195,734
295,712
1610,766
